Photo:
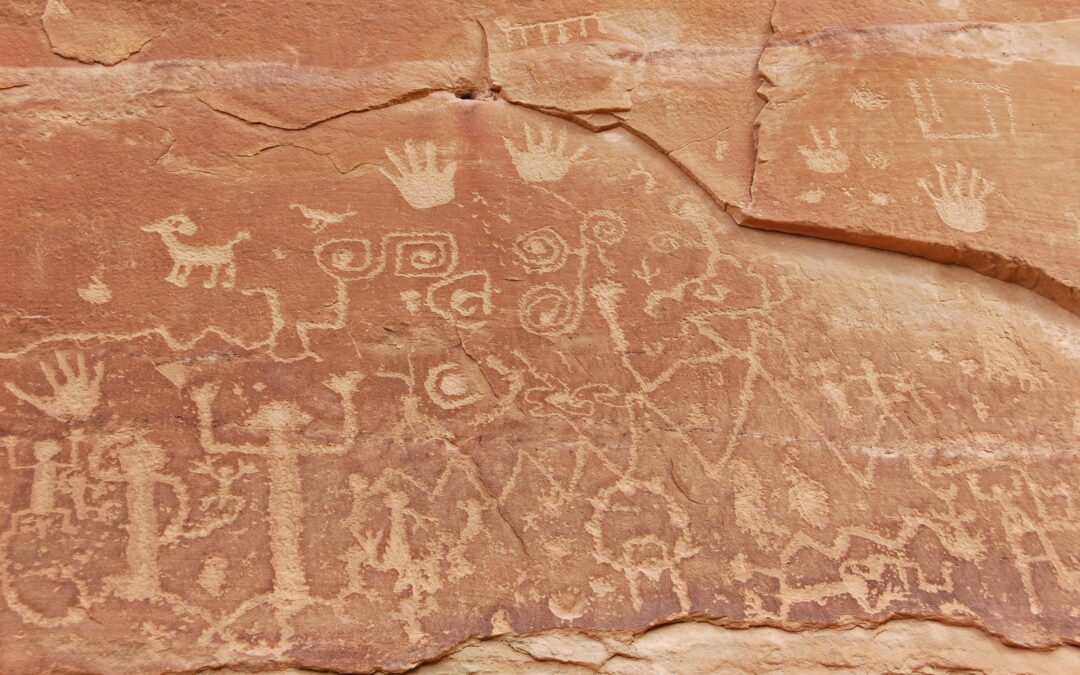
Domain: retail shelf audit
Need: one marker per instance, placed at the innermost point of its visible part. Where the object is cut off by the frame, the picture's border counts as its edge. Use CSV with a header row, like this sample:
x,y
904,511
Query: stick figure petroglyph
x,y
824,158
318,220
419,179
960,203
543,160
186,257
281,422
74,397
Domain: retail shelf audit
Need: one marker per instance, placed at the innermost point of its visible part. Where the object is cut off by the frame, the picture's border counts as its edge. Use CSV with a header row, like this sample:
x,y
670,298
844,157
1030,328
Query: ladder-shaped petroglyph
x,y
419,179
994,101
188,257
281,423
825,156
543,159
960,201
558,31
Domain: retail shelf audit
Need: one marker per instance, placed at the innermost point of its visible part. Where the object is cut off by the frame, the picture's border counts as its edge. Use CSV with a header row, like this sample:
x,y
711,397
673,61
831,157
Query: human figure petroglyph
x,y
1029,527
140,467
76,391
825,157
188,257
994,100
317,219
545,159
419,179
418,549
399,520
281,422
558,31
49,476
960,202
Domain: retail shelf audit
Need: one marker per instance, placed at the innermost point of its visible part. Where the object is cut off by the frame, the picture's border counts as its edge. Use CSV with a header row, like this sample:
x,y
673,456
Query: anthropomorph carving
x,y
281,422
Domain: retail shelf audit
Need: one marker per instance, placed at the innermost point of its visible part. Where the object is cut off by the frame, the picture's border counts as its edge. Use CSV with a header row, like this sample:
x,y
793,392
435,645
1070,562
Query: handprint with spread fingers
x,y
419,179
76,389
960,202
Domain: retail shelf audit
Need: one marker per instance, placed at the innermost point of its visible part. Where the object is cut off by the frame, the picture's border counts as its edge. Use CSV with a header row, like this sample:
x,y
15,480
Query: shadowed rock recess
x,y
639,336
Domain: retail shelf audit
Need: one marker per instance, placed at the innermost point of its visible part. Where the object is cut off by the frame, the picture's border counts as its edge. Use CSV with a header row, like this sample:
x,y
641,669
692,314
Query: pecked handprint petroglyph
x,y
825,157
960,201
545,159
76,390
419,179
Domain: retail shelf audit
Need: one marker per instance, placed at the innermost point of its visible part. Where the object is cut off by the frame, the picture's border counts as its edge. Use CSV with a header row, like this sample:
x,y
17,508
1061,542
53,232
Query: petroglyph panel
x,y
346,384
946,146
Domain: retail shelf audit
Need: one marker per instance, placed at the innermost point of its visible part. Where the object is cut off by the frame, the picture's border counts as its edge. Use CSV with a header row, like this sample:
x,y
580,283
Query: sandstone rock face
x,y
353,337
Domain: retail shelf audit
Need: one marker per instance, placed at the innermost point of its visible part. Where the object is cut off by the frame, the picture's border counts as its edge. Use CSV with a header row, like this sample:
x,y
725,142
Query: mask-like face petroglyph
x,y
554,378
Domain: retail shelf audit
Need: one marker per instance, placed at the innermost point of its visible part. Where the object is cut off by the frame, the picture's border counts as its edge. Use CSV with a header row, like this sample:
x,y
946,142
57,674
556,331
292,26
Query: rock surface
x,y
352,337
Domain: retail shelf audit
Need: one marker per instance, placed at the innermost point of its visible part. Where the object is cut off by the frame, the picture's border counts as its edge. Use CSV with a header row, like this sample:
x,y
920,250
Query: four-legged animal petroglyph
x,y
961,201
187,257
